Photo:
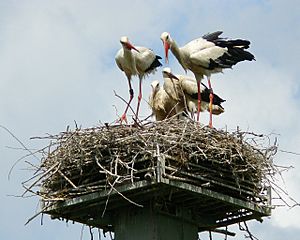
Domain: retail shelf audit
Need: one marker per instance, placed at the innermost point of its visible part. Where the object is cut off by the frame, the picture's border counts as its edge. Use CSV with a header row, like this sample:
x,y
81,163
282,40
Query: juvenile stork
x,y
207,55
162,105
135,61
184,90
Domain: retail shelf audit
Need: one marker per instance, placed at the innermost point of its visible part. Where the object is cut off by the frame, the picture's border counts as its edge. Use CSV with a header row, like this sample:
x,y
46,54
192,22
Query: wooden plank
x,y
219,183
203,202
266,211
86,199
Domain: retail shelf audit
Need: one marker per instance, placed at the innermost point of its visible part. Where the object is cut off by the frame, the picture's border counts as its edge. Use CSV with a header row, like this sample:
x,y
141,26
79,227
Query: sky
x,y
57,66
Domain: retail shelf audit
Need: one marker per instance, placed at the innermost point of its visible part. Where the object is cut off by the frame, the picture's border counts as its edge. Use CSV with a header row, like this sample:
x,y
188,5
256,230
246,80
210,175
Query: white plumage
x,y
140,62
184,90
206,55
162,105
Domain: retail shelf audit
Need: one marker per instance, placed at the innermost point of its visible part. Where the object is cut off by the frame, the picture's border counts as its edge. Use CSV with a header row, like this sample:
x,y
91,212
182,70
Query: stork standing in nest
x,y
184,90
207,55
162,105
135,61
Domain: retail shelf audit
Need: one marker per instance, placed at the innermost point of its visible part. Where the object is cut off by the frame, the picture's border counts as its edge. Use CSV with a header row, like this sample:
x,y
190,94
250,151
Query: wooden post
x,y
150,224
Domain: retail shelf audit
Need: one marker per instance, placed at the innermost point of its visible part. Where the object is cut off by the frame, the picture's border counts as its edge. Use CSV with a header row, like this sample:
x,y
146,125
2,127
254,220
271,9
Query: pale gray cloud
x,y
57,66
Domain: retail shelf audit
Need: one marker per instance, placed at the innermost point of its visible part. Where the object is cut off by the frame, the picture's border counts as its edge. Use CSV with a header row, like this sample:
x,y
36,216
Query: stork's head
x,y
167,42
155,86
168,73
126,44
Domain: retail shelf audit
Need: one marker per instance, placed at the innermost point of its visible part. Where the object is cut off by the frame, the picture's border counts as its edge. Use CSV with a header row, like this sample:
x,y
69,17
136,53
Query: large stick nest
x,y
87,160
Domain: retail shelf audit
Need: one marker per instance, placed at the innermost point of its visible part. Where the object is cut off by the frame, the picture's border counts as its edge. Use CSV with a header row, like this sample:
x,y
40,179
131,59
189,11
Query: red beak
x,y
130,46
167,47
172,76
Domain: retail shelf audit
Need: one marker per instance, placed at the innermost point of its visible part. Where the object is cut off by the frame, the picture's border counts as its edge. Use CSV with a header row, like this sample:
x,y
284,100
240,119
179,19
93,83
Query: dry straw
x,y
82,161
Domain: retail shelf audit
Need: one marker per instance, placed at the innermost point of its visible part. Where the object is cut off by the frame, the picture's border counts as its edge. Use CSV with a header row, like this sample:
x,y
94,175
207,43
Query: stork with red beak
x,y
207,55
135,61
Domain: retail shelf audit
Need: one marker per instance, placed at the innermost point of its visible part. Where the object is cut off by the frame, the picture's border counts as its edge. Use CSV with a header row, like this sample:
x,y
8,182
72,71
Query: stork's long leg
x,y
139,98
124,118
211,97
199,99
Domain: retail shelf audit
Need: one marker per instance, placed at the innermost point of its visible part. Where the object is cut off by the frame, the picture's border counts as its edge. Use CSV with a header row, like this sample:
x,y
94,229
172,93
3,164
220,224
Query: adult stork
x,y
141,62
207,55
184,90
162,105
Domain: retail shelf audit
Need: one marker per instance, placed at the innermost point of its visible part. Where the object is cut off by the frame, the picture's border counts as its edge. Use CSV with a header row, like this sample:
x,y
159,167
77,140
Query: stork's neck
x,y
171,88
130,59
177,53
128,54
154,94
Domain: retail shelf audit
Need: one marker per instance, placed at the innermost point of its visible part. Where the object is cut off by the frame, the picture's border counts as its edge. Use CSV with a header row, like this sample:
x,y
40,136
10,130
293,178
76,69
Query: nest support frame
x,y
163,205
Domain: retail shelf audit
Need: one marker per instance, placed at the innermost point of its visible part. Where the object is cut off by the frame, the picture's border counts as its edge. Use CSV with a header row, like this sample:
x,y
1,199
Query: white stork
x,y
184,90
140,62
162,105
206,55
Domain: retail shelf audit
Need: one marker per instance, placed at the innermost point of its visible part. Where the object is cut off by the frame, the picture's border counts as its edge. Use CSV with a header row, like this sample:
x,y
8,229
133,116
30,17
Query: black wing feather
x,y
155,64
205,97
235,51
212,36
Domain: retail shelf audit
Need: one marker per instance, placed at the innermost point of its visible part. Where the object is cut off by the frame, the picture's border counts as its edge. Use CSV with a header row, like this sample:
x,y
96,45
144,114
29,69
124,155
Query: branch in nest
x,y
99,158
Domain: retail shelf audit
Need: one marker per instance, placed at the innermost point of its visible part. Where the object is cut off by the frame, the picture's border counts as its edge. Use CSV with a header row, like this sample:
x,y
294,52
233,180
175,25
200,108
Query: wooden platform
x,y
164,195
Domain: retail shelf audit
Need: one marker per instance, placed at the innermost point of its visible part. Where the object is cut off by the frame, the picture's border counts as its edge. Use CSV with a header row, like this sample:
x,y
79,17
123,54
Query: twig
x,y
246,229
132,202
106,202
68,180
102,158
31,153
110,235
118,96
99,234
91,233
38,213
81,232
284,151
43,175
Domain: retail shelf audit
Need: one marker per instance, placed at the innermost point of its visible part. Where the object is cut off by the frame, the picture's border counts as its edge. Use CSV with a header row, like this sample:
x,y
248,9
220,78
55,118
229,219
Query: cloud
x,y
57,66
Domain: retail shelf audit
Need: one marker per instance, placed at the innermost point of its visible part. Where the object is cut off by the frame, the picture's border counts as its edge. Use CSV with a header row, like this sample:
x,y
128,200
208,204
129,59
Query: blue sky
x,y
57,66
